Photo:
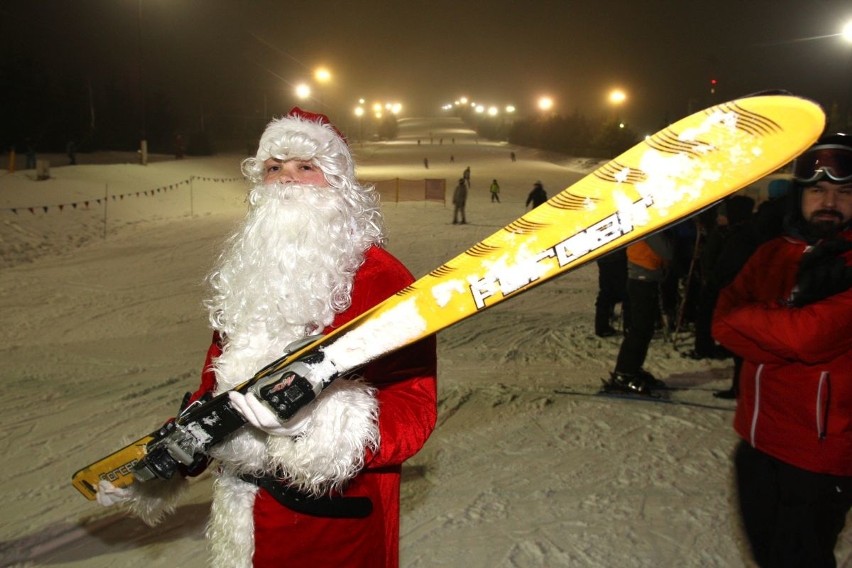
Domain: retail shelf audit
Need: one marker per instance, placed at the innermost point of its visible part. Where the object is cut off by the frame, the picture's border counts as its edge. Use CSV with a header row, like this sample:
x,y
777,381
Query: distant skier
x,y
537,196
459,201
71,152
495,191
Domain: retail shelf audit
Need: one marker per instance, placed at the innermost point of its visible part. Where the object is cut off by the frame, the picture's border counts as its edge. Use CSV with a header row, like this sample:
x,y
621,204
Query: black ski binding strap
x,y
288,390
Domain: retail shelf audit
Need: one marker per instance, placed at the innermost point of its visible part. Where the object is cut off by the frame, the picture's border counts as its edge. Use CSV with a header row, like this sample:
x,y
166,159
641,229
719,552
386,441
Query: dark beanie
x,y
738,209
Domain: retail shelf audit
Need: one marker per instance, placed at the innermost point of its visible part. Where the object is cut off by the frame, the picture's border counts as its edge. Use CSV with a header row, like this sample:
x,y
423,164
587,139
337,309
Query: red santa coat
x,y
795,400
407,397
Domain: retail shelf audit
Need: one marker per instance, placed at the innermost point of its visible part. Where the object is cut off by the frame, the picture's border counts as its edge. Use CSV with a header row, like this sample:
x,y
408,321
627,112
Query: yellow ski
x,y
673,174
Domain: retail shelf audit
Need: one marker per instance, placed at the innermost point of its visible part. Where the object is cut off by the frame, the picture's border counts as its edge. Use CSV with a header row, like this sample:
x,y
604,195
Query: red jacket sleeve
x,y
407,396
752,320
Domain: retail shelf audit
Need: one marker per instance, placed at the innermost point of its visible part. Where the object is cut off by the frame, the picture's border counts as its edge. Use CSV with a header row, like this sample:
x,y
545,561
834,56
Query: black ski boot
x,y
627,383
651,381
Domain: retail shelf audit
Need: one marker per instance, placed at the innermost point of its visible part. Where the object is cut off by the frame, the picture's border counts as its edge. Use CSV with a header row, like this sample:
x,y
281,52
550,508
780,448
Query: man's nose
x,y
829,198
286,175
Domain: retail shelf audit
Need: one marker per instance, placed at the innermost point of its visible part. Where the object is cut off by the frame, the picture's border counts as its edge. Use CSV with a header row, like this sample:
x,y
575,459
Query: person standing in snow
x,y
71,152
647,261
495,191
726,252
459,201
612,290
31,154
537,196
322,488
788,314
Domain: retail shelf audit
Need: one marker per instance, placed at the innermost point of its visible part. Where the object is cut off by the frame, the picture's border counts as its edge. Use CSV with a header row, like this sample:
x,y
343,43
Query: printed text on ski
x,y
565,252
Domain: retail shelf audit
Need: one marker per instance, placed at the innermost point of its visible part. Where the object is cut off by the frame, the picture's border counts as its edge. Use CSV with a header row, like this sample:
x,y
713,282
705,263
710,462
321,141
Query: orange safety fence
x,y
395,190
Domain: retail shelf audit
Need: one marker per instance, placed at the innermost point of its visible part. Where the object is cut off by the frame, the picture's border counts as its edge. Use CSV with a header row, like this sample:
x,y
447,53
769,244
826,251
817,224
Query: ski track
x,y
612,489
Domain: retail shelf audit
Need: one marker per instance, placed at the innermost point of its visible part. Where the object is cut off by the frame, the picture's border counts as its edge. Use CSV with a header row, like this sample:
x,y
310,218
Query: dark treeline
x,y
45,111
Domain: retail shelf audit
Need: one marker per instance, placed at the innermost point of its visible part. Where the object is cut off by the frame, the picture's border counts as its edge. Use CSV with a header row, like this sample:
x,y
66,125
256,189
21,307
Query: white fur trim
x,y
244,451
153,500
344,425
295,138
231,526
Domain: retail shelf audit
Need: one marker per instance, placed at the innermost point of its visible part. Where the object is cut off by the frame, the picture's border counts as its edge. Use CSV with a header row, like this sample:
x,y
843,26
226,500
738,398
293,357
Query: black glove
x,y
822,273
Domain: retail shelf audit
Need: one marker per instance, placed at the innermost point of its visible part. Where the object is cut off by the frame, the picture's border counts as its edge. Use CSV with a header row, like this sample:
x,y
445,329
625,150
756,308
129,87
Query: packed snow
x,y
103,331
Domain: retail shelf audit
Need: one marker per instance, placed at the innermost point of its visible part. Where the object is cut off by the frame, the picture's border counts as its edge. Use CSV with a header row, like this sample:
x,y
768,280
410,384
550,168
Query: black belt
x,y
332,507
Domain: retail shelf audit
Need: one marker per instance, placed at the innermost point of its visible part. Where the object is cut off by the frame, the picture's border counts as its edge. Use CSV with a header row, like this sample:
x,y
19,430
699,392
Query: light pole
x,y
617,98
322,77
846,32
846,36
359,112
545,104
143,142
303,91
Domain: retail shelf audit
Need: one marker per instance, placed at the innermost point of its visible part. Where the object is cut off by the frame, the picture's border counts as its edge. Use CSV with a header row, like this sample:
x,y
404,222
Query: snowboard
x,y
679,171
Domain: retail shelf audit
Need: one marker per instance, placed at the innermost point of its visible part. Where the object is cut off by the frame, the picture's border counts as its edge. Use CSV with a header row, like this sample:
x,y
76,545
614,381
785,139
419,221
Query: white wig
x,y
303,135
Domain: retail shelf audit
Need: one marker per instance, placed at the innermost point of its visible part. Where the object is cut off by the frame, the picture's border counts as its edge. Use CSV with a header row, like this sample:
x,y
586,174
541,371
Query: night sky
x,y
215,58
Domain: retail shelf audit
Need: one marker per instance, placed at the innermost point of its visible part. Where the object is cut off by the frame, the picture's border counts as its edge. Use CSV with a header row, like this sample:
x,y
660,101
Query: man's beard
x,y
285,274
824,228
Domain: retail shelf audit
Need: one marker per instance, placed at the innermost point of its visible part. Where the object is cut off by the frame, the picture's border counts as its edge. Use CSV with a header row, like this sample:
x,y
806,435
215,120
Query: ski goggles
x,y
828,160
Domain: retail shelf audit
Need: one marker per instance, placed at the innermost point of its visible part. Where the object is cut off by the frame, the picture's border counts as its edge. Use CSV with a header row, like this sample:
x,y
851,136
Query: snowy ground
x,y
103,331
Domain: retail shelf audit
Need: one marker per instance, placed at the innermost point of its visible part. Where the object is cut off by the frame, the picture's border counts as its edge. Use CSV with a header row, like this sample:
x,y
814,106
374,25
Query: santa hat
x,y
303,135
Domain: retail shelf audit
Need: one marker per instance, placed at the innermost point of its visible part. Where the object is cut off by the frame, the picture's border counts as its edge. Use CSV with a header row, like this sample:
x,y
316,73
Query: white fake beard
x,y
285,274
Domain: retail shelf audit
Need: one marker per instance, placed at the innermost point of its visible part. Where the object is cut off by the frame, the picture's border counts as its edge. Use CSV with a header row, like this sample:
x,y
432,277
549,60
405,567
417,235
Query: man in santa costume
x,y
322,488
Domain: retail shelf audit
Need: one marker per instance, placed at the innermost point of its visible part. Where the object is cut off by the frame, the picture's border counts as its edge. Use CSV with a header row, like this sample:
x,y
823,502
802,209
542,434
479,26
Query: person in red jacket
x,y
322,488
788,314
